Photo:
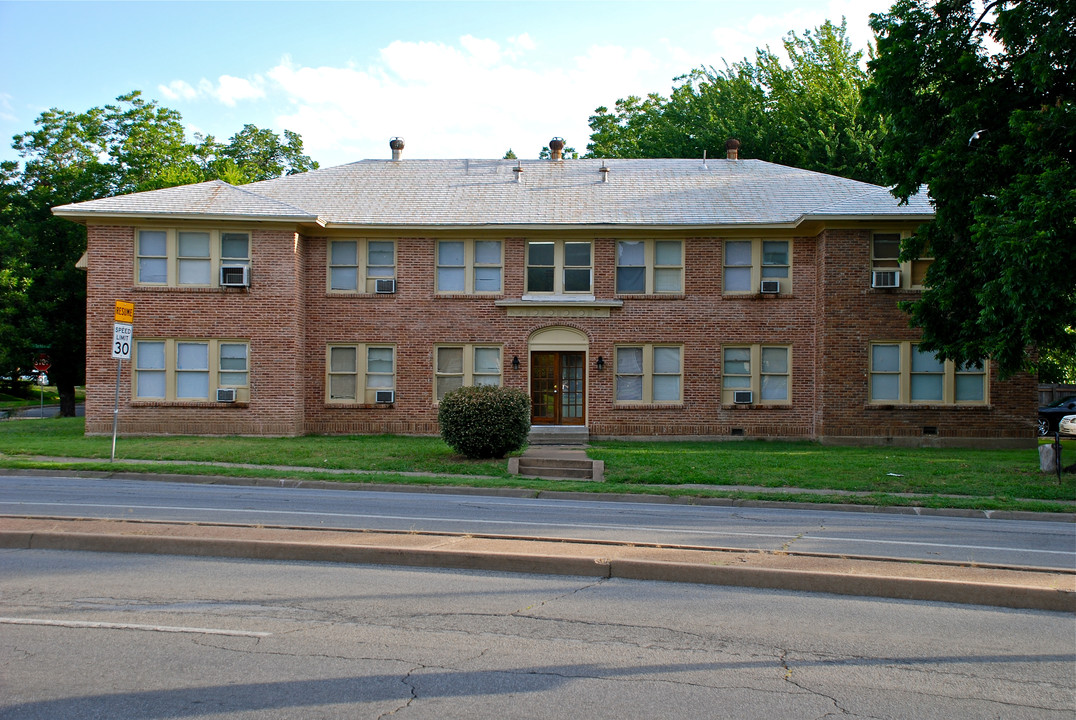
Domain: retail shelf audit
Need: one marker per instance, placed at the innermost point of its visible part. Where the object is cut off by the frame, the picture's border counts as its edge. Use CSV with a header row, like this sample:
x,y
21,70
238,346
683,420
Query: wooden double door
x,y
558,388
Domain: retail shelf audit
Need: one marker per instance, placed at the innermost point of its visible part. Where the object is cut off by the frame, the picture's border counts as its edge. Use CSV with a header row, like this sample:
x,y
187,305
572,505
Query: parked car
x,y
1067,426
1051,415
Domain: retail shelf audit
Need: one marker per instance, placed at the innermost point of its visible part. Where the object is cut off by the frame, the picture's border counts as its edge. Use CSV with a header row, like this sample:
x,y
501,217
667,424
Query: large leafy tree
x,y
129,146
980,111
807,113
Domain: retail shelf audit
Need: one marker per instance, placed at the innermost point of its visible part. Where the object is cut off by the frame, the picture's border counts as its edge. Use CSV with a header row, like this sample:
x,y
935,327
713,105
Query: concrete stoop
x,y
557,462
558,435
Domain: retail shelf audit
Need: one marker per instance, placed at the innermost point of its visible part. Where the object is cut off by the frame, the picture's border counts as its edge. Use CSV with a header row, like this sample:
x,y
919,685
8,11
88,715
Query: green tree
x,y
129,146
509,155
807,114
980,115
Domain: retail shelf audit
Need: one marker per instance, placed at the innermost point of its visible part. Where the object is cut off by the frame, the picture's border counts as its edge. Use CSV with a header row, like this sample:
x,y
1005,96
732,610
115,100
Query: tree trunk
x,y
67,399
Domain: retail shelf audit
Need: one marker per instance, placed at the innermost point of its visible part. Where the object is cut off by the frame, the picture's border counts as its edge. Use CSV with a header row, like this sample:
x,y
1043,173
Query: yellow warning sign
x,y
124,312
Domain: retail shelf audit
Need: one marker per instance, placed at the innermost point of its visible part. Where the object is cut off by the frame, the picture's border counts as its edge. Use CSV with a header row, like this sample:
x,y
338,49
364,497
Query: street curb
x,y
550,494
592,564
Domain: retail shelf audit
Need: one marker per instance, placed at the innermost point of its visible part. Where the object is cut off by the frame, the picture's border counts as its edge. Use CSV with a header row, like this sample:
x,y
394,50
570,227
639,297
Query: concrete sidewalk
x,y
1027,588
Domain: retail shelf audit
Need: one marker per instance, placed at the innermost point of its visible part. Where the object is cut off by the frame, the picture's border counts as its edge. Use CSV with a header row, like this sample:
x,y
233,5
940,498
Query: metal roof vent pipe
x,y
732,149
397,145
556,148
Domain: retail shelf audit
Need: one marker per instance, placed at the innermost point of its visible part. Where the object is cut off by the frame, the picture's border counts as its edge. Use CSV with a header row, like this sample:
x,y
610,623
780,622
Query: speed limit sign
x,y
121,340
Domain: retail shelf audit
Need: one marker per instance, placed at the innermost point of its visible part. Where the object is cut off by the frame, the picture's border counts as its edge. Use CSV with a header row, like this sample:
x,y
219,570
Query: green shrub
x,y
485,421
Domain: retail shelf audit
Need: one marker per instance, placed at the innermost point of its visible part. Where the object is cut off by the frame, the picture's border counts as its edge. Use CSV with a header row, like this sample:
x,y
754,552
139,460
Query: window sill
x,y
894,291
648,406
186,289
357,294
189,403
927,406
757,296
757,406
360,406
651,296
467,296
558,301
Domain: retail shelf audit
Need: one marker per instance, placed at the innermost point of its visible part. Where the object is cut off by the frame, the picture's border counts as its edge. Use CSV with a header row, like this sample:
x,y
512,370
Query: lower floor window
x,y
764,371
901,373
357,373
456,366
649,374
188,369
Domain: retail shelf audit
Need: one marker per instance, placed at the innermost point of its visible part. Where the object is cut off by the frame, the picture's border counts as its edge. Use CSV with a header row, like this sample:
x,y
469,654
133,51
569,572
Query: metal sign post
x,y
42,363
122,332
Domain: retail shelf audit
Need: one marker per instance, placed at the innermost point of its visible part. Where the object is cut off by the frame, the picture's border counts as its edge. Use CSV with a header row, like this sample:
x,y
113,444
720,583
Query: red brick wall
x,y
267,314
852,315
829,320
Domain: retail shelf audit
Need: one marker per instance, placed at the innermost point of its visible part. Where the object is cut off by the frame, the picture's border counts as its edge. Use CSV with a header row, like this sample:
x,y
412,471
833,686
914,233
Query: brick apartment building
x,y
640,298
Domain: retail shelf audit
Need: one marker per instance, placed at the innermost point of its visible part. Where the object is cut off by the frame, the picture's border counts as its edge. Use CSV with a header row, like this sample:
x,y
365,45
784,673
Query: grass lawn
x,y
34,397
982,479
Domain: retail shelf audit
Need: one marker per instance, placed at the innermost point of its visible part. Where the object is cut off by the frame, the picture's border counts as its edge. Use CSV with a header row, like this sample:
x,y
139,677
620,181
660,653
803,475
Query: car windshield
x,y
1062,401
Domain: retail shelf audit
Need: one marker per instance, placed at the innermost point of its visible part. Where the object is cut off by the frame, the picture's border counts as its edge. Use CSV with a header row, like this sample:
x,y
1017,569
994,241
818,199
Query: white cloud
x,y
227,90
178,90
232,89
7,112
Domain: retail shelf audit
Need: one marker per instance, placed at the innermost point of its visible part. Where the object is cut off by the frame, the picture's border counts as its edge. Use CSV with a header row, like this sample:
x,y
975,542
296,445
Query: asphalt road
x,y
1003,542
90,635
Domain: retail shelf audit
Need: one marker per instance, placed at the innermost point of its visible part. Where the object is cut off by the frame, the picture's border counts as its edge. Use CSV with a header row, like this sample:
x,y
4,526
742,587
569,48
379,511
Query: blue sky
x,y
455,79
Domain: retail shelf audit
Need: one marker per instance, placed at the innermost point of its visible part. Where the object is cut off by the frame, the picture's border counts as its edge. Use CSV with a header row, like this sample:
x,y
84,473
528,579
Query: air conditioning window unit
x,y
771,286
385,286
885,279
385,396
235,276
743,397
225,394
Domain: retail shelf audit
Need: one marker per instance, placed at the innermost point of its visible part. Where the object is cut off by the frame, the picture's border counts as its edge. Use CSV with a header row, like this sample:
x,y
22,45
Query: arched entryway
x,y
558,382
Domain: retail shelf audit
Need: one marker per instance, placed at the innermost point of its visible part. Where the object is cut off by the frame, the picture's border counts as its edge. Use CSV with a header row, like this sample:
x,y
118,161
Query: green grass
x,y
977,479
33,397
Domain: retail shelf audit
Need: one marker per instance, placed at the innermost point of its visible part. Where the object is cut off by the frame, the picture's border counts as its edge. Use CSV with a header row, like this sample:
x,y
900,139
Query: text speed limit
x,y
121,340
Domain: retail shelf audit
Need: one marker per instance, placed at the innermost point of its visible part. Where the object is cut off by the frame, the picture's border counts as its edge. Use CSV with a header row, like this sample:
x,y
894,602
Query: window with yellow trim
x,y
457,366
764,370
189,369
355,266
188,257
902,374
354,373
649,374
747,263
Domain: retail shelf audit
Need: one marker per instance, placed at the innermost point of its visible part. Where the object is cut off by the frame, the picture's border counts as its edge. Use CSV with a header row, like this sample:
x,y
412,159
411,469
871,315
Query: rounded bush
x,y
485,421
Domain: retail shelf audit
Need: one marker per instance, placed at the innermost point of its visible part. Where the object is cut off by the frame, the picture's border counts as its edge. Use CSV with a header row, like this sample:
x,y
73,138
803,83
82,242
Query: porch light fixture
x,y
601,363
515,362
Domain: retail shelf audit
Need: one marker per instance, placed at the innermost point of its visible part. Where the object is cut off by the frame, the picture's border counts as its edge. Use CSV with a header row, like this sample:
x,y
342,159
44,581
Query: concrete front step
x,y
558,435
557,463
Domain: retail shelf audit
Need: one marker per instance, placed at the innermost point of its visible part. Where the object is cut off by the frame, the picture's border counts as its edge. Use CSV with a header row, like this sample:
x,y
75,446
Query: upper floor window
x,y
190,369
887,269
559,267
192,258
649,266
357,265
901,373
649,374
469,266
763,370
457,366
747,263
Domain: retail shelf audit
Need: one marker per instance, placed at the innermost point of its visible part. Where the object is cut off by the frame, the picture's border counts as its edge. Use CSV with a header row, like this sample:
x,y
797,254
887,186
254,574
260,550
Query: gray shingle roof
x,y
448,193
215,198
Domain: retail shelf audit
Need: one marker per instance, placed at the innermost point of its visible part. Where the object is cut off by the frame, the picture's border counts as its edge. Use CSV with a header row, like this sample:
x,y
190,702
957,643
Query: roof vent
x,y
556,148
604,171
732,149
518,170
397,145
